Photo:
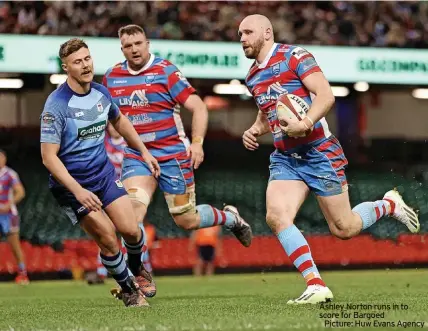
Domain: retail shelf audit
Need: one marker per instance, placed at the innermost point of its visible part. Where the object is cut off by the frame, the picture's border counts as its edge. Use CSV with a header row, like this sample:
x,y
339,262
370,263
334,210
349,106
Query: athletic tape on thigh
x,y
140,195
182,203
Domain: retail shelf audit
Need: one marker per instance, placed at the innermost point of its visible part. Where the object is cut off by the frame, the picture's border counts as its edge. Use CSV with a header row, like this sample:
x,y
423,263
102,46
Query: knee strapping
x,y
179,204
140,195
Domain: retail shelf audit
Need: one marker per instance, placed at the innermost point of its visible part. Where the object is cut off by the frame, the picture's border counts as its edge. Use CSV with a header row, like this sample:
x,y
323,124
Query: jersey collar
x,y
148,64
267,58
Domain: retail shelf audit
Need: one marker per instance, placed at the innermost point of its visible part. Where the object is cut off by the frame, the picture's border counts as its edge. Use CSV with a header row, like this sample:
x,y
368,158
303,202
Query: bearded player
x,y
150,90
304,163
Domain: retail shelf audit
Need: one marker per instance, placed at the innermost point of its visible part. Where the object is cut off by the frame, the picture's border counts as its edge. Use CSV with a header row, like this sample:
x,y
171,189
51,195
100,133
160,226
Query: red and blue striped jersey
x,y
151,99
8,179
115,149
281,72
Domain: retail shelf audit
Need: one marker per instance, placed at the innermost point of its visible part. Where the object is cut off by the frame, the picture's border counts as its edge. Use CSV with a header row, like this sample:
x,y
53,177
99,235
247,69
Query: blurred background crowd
x,y
371,23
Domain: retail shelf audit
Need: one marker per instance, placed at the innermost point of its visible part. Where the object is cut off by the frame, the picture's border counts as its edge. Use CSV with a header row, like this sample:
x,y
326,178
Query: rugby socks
x,y
211,216
297,249
117,267
134,254
370,212
22,269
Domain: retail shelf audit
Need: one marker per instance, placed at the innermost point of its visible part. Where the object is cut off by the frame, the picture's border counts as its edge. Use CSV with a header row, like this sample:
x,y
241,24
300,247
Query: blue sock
x,y
21,267
211,216
134,254
146,260
370,212
116,266
297,249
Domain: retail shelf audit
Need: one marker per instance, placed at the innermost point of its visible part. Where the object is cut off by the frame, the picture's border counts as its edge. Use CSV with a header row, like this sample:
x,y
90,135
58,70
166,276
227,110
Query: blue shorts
x,y
321,166
9,224
176,174
108,190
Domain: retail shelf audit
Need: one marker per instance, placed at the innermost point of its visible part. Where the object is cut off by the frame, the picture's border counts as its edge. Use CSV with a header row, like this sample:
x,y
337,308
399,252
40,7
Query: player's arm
x,y
183,93
51,130
317,84
18,192
307,70
259,128
199,111
125,128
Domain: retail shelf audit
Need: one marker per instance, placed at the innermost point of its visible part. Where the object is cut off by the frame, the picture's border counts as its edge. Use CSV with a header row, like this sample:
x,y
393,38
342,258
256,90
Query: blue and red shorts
x,y
8,224
320,165
176,174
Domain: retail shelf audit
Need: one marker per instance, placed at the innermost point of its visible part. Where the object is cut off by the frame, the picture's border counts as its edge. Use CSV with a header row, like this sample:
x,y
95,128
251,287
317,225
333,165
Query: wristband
x,y
198,140
310,120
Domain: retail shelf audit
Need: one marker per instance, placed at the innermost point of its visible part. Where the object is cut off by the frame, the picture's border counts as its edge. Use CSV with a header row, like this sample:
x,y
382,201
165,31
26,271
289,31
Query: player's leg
x,y
328,161
118,207
285,194
209,264
11,229
140,185
199,263
177,183
102,230
15,244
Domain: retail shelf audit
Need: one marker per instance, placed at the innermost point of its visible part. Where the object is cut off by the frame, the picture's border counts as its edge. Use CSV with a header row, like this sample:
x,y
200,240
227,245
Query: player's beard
x,y
255,49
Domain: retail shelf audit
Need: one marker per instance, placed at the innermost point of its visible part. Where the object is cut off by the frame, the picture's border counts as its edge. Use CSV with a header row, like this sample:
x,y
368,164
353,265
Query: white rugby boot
x,y
313,294
402,212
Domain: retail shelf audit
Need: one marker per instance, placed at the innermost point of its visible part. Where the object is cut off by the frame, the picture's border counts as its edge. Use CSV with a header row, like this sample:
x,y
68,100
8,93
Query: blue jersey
x,y
77,122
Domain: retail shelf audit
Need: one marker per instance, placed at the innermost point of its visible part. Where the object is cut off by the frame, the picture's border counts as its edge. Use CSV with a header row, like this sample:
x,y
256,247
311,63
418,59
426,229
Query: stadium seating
x,y
353,23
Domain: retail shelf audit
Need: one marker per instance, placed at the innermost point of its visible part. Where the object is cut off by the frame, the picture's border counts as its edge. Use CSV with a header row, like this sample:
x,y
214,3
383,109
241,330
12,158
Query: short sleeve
x,y
178,86
52,122
114,111
302,62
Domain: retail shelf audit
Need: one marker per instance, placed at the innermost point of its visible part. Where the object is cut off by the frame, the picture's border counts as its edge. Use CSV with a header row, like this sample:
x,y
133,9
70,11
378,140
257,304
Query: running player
x,y
149,91
303,164
82,179
11,193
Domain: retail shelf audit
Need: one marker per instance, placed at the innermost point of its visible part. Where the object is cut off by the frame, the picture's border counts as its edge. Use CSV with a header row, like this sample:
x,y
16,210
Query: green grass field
x,y
232,302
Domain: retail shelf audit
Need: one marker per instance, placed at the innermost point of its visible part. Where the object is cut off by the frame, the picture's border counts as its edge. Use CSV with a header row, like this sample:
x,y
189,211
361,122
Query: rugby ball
x,y
290,108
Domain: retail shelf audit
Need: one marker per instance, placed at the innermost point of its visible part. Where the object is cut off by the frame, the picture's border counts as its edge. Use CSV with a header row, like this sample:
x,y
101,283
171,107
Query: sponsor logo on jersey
x,y
272,93
120,81
92,131
299,52
48,130
137,99
48,118
149,78
276,69
79,114
148,137
139,119
119,183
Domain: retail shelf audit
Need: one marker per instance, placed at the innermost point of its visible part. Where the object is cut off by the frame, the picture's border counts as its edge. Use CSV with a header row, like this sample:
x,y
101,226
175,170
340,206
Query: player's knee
x,y
182,204
187,221
278,221
341,231
132,234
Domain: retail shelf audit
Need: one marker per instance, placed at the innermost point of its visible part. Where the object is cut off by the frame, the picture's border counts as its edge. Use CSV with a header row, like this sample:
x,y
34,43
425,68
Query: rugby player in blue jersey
x,y
82,179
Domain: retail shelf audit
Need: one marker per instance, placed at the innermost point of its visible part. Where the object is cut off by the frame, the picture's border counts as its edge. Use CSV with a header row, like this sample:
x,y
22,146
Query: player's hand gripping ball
x,y
290,110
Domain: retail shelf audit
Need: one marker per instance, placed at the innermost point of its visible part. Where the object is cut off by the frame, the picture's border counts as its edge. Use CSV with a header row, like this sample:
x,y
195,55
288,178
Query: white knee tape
x,y
140,195
182,203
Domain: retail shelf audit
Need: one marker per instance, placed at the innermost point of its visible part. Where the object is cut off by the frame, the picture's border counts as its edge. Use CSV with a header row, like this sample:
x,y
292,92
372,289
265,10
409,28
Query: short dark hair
x,y
71,46
2,151
130,29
